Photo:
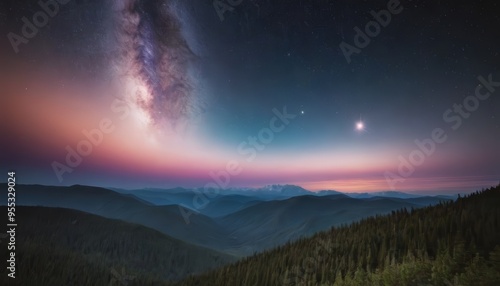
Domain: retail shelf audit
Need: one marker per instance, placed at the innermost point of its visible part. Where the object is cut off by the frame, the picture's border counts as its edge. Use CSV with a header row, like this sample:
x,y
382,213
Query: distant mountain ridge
x,y
238,222
277,191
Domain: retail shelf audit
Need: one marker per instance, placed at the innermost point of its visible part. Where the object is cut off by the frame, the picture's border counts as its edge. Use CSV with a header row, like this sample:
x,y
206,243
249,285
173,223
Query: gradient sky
x,y
184,91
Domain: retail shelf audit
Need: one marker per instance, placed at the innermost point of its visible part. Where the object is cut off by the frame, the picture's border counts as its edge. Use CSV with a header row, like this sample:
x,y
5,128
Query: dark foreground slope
x,y
453,243
57,246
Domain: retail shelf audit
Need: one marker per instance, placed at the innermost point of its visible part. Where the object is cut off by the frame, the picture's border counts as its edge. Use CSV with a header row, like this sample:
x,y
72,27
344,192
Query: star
x,y
360,126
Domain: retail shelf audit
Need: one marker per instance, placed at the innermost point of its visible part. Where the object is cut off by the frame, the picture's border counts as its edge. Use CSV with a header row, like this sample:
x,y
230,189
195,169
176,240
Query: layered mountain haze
x,y
370,241
167,219
238,221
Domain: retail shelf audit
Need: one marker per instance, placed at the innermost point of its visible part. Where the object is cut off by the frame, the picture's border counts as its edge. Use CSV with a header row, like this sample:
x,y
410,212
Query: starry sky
x,y
253,92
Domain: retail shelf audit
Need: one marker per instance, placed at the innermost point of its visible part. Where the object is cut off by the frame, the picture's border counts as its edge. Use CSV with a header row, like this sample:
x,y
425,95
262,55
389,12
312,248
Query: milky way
x,y
191,89
154,61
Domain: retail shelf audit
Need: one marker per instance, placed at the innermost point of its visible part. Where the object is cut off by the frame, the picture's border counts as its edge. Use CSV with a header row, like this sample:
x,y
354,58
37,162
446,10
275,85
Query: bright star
x,y
360,126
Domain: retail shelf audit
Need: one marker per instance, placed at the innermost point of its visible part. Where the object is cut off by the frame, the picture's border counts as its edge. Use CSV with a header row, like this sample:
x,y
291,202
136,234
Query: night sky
x,y
185,93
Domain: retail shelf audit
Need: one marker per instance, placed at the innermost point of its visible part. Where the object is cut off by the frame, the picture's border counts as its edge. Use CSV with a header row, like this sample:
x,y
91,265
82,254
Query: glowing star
x,y
302,112
360,126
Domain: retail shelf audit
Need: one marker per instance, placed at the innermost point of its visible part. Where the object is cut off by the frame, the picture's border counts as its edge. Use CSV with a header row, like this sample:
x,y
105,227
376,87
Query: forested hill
x,y
453,243
56,246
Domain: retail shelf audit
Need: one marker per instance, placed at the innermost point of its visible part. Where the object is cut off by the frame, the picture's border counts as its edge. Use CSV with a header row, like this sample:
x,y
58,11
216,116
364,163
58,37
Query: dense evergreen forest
x,y
453,243
56,246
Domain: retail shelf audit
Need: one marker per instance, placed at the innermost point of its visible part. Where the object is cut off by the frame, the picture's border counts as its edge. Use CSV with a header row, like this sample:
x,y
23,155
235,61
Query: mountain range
x,y
108,231
237,221
116,237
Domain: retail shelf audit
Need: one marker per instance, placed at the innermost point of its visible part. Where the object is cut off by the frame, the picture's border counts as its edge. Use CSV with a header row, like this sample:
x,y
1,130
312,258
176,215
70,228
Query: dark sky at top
x,y
266,54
